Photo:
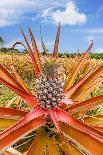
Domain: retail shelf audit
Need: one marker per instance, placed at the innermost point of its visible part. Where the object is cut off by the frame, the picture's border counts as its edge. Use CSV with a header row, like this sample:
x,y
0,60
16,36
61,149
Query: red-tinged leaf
x,y
55,52
78,67
67,146
98,128
94,120
54,119
38,145
9,138
8,77
52,148
83,140
86,67
72,89
85,105
5,123
29,98
96,74
34,113
7,153
36,51
11,113
70,149
36,69
90,89
67,118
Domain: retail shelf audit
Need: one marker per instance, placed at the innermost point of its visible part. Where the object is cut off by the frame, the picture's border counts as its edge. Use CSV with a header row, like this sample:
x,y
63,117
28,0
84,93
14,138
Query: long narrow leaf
x,y
67,118
36,51
10,113
34,113
94,120
54,119
69,149
36,69
78,67
8,77
98,128
52,147
85,105
29,98
88,82
83,140
93,86
38,145
72,89
55,52
5,123
9,138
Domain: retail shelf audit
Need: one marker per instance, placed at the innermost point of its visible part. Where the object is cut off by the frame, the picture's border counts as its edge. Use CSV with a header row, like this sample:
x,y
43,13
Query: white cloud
x,y
13,11
69,16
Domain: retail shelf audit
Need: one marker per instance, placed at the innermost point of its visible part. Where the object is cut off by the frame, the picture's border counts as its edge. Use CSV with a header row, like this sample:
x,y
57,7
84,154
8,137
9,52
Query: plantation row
x,y
63,54
25,68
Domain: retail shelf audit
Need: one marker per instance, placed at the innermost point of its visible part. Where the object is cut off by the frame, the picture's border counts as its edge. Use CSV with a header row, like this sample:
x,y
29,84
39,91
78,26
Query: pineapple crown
x,y
51,68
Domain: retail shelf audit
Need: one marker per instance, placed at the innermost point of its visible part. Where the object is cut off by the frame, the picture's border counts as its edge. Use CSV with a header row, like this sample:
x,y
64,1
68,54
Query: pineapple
x,y
49,87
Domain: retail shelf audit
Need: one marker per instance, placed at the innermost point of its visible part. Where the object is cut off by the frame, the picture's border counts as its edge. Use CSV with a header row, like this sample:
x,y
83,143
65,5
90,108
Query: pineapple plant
x,y
57,123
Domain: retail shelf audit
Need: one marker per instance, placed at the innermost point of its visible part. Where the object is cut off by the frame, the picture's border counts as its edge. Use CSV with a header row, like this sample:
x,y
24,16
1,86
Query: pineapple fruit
x,y
49,87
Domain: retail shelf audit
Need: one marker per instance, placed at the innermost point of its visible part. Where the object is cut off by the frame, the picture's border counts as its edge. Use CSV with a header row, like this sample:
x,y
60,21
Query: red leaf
x,y
78,68
72,89
8,138
11,113
34,113
35,48
8,77
82,141
67,118
39,143
87,83
55,52
26,96
85,105
36,69
54,119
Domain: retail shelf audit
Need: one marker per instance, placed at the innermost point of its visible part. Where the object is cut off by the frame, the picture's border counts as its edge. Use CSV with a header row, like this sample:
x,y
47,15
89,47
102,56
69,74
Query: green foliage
x,y
96,55
45,51
8,50
5,95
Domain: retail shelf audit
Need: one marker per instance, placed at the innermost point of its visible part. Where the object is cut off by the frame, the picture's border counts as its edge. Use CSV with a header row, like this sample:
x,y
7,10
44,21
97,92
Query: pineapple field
x,y
24,68
50,105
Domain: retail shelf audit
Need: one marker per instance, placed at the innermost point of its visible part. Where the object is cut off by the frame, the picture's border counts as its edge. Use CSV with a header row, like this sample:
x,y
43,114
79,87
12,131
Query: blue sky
x,y
81,21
